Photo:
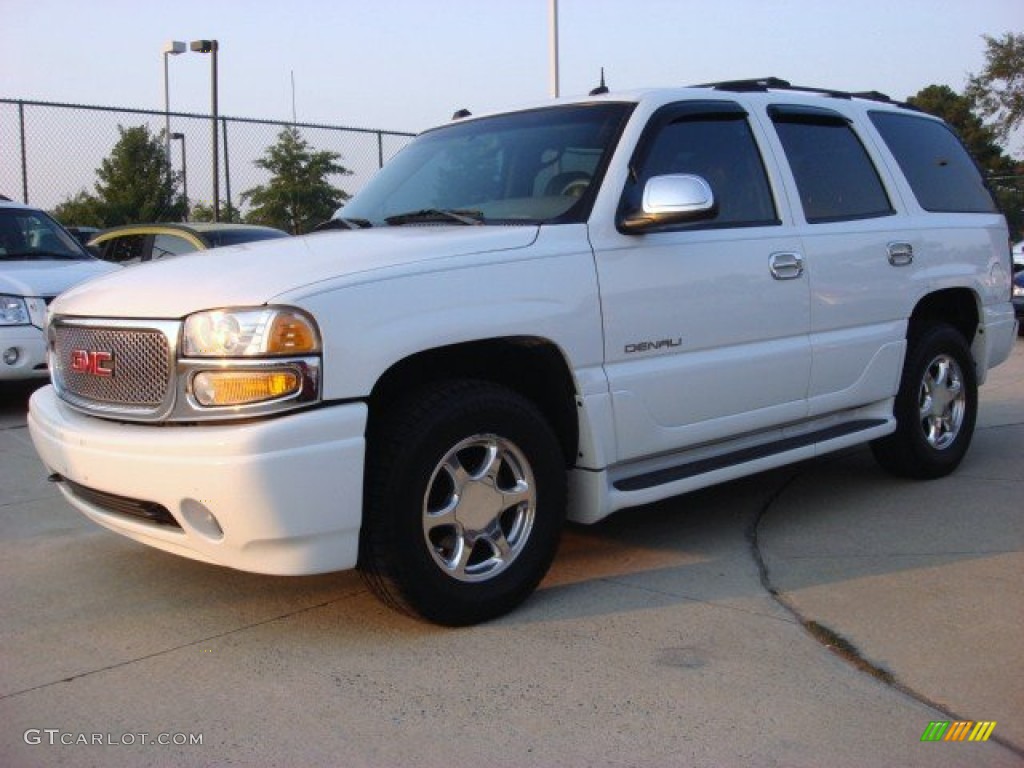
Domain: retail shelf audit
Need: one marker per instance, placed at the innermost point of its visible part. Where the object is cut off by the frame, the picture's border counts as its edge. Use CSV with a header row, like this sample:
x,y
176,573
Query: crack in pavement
x,y
832,640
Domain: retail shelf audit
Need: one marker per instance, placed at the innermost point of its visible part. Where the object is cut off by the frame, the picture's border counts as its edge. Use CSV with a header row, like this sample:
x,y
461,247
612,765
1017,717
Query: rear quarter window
x,y
942,175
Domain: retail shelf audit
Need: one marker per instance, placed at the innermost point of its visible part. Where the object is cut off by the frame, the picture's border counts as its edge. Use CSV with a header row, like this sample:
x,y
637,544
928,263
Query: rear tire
x,y
936,407
465,502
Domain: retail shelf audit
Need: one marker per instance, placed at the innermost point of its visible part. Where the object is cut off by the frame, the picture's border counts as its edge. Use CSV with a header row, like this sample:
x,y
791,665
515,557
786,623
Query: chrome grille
x,y
140,359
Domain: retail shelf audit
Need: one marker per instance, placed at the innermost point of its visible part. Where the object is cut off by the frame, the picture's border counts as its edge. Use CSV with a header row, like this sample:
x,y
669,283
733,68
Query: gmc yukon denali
x,y
563,310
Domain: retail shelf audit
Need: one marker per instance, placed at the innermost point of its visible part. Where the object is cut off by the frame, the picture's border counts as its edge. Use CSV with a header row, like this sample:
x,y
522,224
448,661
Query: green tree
x,y
82,210
998,91
202,211
133,185
298,195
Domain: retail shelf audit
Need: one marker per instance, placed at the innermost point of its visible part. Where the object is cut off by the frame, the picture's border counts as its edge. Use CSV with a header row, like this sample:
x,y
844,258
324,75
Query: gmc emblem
x,y
93,363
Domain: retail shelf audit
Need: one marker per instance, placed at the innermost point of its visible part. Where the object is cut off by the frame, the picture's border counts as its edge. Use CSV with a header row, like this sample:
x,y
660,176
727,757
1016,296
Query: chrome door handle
x,y
900,254
786,266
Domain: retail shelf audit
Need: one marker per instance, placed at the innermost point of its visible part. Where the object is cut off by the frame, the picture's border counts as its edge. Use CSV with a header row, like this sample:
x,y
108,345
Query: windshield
x,y
28,234
541,166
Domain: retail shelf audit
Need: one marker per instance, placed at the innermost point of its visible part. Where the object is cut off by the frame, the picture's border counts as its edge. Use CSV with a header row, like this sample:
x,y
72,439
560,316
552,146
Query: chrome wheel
x,y
935,408
479,508
942,402
465,500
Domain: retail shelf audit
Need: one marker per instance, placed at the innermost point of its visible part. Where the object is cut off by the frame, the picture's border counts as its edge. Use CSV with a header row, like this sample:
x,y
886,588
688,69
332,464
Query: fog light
x,y
199,517
220,388
11,355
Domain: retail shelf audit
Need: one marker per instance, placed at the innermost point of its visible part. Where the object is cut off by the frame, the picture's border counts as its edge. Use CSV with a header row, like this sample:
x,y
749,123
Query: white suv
x,y
583,306
38,260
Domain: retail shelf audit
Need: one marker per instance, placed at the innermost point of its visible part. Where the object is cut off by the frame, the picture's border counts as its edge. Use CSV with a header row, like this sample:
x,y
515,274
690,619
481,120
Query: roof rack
x,y
751,85
764,84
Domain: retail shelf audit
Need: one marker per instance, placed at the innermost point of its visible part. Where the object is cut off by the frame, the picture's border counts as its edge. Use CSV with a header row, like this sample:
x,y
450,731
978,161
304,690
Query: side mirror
x,y
673,199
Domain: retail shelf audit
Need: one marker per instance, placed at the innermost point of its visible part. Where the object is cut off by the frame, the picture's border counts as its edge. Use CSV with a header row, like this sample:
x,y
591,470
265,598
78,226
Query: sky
x,y
406,65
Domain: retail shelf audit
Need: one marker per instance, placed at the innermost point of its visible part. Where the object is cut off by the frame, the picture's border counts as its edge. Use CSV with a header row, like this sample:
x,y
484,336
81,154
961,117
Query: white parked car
x,y
572,308
38,260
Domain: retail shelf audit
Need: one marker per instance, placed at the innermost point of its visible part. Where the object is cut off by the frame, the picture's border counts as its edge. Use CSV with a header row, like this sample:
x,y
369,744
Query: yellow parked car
x,y
137,243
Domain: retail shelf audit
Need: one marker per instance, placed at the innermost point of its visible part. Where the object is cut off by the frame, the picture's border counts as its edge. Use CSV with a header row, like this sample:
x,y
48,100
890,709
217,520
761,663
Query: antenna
x,y
602,88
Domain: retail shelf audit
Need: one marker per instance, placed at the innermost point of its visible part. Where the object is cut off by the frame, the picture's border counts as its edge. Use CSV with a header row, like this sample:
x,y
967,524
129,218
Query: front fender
x,y
548,290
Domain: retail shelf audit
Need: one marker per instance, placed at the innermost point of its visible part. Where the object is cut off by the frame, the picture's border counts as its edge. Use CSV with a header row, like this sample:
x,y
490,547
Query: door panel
x,y
860,259
706,322
701,342
859,304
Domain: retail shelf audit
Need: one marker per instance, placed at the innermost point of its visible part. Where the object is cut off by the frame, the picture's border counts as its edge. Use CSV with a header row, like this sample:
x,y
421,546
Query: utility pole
x,y
553,46
211,47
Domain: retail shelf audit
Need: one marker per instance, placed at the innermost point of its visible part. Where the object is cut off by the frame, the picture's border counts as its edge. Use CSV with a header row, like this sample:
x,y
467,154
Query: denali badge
x,y
94,363
650,346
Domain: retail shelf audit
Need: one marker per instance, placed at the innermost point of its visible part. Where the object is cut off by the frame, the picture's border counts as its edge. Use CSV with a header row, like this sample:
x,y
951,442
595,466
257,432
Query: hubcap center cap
x,y
479,505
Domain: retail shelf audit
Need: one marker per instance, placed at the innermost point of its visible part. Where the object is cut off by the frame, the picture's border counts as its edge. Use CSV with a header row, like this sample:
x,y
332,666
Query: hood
x,y
252,274
48,278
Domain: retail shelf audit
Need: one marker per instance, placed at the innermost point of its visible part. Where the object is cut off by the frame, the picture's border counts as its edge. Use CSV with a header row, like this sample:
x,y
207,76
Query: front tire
x,y
465,501
936,407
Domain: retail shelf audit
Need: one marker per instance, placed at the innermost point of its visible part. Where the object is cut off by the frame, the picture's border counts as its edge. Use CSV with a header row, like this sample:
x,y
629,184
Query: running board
x,y
743,456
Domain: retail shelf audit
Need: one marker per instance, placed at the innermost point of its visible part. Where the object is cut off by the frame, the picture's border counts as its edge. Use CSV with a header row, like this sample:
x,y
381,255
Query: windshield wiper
x,y
343,223
437,214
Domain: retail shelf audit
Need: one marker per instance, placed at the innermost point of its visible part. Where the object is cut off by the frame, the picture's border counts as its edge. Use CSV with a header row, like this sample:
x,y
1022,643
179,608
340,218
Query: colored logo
x,y
963,730
94,363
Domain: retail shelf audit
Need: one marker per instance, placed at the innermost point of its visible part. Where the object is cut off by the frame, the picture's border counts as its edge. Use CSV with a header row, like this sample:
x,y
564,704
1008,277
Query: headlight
x,y
13,311
263,332
267,358
1018,290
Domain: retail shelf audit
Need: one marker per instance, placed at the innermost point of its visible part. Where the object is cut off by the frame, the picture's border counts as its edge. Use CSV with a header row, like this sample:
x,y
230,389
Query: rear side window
x,y
834,174
942,175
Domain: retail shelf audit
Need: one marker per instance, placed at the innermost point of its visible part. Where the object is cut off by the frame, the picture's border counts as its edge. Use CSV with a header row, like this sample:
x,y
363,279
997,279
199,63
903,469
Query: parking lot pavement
x,y
927,585
653,642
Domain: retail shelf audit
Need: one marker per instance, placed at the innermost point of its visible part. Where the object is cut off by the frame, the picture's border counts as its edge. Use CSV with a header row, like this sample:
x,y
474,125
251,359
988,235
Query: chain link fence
x,y
49,152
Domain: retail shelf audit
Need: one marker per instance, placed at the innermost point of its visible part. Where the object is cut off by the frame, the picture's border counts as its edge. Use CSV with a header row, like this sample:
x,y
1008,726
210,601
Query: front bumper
x,y
286,493
30,345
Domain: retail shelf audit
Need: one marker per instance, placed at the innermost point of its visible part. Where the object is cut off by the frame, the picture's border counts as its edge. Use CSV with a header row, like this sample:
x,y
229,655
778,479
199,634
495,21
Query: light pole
x,y
184,171
171,48
211,46
553,46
